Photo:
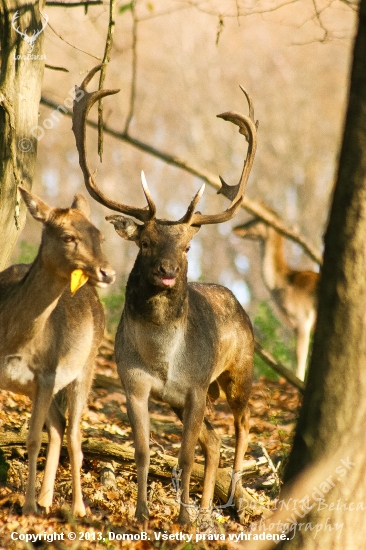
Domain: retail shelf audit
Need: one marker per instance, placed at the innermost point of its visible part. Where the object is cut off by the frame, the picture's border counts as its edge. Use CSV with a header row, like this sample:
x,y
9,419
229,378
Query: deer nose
x,y
168,271
106,275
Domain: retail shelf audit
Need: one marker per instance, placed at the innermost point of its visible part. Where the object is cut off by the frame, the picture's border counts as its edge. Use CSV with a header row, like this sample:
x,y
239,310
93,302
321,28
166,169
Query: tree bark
x,y
21,74
333,416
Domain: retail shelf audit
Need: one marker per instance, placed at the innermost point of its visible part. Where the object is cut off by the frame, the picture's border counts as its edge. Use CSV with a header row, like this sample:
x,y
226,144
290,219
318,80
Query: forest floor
x,y
110,510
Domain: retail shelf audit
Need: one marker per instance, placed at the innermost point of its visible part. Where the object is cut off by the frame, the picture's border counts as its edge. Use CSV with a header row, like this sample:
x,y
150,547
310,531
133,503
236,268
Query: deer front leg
x,y
138,414
56,428
41,405
77,394
192,421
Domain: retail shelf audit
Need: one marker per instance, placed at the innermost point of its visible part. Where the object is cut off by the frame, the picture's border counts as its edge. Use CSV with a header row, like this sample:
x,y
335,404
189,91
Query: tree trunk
x,y
332,420
21,74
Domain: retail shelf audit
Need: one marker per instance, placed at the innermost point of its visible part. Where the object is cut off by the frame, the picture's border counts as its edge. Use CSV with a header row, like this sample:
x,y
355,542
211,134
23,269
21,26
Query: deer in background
x,y
294,292
49,337
177,342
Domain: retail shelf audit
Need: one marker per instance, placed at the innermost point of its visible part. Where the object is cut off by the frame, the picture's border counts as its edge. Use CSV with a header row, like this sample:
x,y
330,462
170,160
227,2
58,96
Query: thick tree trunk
x,y
332,420
21,74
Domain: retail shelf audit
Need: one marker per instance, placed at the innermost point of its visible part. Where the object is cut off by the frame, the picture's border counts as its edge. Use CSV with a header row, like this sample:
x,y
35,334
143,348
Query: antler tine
x,y
235,193
250,104
190,211
82,106
147,194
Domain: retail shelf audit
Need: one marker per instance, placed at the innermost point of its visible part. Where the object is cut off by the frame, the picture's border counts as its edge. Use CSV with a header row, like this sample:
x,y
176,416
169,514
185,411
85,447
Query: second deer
x,y
50,330
177,342
294,292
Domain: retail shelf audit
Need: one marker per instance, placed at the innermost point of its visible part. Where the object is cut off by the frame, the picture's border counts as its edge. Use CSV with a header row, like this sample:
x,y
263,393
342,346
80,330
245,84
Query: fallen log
x,y
161,465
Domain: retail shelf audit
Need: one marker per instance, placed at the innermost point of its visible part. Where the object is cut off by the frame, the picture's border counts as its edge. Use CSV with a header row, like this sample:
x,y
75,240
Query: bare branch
x,y
278,367
68,43
161,13
237,13
134,68
352,4
220,28
86,4
254,207
320,23
264,8
55,68
106,59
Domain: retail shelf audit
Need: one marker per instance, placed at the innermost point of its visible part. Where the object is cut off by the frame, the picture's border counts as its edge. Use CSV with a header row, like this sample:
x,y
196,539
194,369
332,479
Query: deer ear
x,y
39,209
125,227
80,203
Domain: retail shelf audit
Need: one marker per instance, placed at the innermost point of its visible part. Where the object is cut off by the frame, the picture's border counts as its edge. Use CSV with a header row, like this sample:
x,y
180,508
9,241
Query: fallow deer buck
x,y
177,342
293,292
49,337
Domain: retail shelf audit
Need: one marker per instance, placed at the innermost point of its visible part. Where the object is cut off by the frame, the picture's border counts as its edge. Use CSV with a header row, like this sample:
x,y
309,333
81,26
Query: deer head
x,y
163,244
70,242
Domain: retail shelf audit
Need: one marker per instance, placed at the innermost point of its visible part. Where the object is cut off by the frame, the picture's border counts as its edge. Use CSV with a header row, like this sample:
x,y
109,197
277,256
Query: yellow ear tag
x,y
78,279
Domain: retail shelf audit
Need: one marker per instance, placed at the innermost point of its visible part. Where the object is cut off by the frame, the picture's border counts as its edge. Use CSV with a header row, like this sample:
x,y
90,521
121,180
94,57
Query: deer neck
x,y
26,308
274,267
149,303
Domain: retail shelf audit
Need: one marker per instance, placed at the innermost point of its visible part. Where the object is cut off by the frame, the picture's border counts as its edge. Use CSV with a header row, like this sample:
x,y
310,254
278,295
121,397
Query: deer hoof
x,y
184,517
43,510
79,511
30,509
142,512
44,504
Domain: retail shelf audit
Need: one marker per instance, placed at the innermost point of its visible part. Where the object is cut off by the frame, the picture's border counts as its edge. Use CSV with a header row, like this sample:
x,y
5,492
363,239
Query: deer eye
x,y
68,238
188,248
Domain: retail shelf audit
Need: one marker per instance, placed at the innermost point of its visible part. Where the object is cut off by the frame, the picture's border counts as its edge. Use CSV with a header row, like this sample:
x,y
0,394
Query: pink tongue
x,y
168,282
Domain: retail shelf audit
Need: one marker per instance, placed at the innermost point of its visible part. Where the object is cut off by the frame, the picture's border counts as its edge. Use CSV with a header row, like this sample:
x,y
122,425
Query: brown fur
x,y
49,338
178,344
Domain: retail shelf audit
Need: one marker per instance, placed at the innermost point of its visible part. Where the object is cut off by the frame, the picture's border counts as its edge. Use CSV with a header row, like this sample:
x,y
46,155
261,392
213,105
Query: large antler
x,y
82,106
247,127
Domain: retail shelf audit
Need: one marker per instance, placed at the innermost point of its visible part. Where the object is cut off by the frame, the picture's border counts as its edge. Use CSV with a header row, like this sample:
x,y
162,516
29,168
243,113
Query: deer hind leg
x,y
56,427
237,391
41,405
210,443
77,394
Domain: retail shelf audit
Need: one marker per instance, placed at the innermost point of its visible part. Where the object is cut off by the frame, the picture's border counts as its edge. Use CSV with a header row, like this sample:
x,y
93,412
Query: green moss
x,y
27,253
113,303
270,334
